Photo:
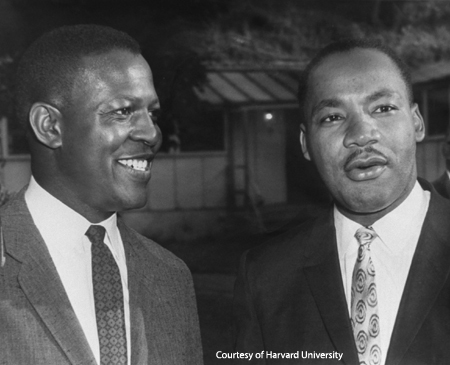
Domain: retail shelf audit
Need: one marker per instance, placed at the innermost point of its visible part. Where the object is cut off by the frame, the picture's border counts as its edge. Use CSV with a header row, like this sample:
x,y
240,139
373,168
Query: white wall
x,y
188,181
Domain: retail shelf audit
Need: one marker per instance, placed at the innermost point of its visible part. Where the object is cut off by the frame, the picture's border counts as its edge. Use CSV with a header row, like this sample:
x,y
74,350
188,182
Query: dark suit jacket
x,y
38,325
442,185
289,296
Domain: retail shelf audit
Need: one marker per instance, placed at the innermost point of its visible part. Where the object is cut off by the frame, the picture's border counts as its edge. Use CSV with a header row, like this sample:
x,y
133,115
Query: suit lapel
x,y
325,280
446,183
427,275
41,284
139,349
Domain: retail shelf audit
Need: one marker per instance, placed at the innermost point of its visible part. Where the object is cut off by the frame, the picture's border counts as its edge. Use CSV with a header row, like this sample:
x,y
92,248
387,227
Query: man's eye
x,y
384,109
331,118
155,114
123,111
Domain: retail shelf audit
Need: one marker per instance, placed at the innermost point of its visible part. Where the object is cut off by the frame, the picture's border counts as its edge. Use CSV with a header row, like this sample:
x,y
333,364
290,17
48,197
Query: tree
x,y
182,38
288,32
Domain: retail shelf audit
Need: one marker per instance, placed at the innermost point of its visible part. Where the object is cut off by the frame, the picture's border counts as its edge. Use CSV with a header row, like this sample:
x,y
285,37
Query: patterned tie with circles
x,y
364,304
108,295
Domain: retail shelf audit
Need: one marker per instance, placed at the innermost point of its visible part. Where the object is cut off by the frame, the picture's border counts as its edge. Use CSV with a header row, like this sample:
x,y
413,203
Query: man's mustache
x,y
368,150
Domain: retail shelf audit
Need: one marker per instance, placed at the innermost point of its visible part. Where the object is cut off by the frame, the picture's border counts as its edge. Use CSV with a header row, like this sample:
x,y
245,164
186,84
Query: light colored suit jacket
x,y
38,325
289,296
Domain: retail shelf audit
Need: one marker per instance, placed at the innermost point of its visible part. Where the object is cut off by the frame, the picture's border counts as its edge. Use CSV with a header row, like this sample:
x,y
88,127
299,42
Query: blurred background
x,y
230,173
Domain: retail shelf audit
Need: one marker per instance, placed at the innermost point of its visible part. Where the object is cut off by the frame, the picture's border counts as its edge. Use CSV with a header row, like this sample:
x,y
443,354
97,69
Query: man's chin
x,y
131,203
365,204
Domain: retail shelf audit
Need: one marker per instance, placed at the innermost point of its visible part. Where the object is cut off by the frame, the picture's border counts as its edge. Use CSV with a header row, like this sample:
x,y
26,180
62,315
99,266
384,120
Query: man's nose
x,y
146,130
362,130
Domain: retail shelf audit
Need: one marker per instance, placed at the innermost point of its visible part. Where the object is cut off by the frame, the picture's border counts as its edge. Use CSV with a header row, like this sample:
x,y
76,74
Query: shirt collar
x,y
112,230
393,228
55,220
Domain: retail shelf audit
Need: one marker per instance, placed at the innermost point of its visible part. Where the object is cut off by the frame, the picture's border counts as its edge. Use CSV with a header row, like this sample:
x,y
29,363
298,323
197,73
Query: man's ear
x,y
419,124
45,120
303,142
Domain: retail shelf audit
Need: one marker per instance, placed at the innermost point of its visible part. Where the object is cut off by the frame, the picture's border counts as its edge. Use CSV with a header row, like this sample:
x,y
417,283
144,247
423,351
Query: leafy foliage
x,y
181,38
259,34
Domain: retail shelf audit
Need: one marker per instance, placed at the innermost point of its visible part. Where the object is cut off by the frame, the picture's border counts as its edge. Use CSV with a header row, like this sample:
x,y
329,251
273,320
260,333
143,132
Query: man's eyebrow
x,y
137,99
325,103
153,102
133,98
381,94
336,103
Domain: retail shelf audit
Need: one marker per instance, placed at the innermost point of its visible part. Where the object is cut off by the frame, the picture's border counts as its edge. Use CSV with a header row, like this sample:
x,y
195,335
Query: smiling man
x,y
370,278
78,286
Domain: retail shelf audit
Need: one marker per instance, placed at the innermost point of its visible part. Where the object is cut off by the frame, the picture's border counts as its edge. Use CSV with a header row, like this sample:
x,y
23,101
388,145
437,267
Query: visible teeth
x,y
135,164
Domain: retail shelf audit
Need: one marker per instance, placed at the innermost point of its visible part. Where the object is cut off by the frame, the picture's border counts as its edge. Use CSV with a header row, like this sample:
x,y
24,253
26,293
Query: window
x,y
438,110
203,131
434,105
13,141
17,144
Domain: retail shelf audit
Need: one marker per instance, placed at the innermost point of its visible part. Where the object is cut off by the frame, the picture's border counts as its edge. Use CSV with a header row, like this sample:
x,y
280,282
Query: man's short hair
x,y
346,46
48,68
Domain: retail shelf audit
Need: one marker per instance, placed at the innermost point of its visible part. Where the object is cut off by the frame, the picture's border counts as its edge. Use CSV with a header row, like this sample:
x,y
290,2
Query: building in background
x,y
432,93
242,155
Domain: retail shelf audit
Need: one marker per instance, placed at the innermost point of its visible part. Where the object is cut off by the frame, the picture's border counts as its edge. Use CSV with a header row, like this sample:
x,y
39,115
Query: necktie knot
x,y
96,233
365,235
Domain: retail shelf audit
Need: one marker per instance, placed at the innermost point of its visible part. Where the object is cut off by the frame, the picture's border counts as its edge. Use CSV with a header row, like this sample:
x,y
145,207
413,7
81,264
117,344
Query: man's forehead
x,y
111,66
113,59
111,75
362,70
355,60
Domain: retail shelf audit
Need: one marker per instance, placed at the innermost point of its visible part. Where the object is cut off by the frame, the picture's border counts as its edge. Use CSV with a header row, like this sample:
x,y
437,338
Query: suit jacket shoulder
x,y
38,325
289,295
293,248
151,248
164,315
442,185
37,322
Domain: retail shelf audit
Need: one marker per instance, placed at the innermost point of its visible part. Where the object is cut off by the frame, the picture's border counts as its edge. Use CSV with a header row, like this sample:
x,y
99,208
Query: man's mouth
x,y
365,163
136,164
365,167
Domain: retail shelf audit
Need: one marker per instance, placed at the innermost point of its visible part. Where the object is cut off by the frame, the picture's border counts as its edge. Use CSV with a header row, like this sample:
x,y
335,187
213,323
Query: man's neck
x,y
369,218
68,198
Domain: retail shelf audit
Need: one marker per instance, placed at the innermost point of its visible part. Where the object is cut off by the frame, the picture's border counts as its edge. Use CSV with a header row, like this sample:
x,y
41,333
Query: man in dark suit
x,y
442,184
77,286
367,282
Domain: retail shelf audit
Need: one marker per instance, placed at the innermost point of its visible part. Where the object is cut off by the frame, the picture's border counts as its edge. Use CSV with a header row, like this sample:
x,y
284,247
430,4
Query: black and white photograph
x,y
219,182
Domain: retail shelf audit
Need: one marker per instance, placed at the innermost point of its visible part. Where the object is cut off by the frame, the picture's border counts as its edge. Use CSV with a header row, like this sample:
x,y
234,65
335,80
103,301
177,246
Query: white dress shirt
x,y
63,231
392,251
